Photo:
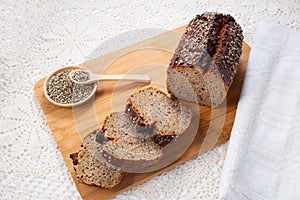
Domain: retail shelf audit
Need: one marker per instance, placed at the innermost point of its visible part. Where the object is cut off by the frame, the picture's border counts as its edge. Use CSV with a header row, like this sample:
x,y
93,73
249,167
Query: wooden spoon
x,y
85,76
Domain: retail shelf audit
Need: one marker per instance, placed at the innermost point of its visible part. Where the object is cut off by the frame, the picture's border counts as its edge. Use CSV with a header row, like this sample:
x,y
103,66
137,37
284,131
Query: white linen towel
x,y
263,157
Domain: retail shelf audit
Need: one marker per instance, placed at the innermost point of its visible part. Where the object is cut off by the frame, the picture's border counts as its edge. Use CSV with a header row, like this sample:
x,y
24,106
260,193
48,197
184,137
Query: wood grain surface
x,y
151,56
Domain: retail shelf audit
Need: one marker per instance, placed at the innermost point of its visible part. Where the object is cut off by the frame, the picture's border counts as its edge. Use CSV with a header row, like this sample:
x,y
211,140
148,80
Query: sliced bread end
x,y
91,171
90,166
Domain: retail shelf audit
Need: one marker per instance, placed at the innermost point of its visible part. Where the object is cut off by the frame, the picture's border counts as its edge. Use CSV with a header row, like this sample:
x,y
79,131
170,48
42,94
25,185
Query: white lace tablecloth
x,y
37,37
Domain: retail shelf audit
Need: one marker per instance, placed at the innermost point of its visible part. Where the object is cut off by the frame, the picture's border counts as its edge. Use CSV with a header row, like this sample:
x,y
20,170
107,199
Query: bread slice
x,y
124,146
206,60
151,109
92,171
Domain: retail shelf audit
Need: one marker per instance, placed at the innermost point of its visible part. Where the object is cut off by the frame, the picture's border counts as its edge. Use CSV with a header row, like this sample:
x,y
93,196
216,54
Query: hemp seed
x,y
80,75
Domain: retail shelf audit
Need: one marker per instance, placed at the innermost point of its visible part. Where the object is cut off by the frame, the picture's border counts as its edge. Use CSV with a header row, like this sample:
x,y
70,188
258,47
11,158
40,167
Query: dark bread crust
x,y
228,51
128,164
74,157
163,140
213,43
202,44
137,119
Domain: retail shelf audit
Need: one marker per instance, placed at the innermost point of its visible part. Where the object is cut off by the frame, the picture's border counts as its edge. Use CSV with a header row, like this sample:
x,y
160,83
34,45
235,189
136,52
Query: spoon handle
x,y
122,77
125,77
93,77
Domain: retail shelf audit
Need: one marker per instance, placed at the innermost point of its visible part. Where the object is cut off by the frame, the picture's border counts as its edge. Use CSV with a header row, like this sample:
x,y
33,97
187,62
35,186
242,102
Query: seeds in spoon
x,y
62,89
80,75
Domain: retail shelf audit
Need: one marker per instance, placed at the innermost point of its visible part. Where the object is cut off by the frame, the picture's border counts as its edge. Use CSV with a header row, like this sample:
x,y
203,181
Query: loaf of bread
x,y
94,170
156,113
206,60
124,146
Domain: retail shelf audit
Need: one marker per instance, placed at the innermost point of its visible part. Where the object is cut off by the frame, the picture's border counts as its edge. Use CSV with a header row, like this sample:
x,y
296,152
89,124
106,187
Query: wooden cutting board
x,y
151,56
